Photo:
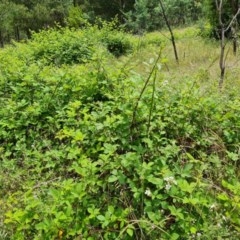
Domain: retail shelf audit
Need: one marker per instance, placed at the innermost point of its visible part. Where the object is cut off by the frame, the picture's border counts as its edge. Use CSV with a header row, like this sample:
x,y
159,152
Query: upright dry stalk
x,y
143,90
170,30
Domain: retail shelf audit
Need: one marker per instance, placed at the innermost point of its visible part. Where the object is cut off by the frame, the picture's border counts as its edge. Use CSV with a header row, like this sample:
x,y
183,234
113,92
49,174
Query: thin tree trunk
x,y
222,61
222,58
170,30
234,28
222,44
235,45
121,6
1,40
28,33
224,29
17,33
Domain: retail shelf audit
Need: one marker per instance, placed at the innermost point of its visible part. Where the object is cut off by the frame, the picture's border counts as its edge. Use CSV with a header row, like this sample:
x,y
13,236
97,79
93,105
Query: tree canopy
x,y
19,17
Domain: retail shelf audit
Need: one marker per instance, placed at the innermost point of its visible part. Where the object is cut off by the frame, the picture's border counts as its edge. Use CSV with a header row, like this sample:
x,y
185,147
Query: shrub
x,y
115,39
62,47
117,45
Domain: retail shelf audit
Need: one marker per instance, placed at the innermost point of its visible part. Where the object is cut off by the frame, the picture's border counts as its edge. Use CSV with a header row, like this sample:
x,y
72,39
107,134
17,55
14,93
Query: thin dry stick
x,y
152,101
133,222
143,90
170,30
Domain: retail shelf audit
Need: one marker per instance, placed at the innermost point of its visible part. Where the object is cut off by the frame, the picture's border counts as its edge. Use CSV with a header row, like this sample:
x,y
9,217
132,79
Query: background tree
x,y
147,14
224,28
229,9
4,19
20,17
183,11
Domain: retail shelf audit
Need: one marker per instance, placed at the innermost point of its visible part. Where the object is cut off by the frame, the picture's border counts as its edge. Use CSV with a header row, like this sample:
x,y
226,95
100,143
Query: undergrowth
x,y
95,150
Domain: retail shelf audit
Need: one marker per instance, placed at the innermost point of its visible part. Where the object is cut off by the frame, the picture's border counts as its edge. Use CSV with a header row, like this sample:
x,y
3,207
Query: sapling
x,y
223,30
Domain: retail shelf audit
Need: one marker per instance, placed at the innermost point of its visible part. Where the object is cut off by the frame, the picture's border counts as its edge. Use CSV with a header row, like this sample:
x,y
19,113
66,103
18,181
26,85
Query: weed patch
x,y
94,150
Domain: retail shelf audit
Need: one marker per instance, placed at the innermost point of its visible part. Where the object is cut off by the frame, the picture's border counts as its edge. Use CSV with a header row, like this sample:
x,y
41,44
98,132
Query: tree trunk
x,y
222,55
222,44
1,40
17,33
28,33
235,45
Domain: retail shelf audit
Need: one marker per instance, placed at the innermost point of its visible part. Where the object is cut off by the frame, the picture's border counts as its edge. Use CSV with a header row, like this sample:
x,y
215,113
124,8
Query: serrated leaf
x,y
185,186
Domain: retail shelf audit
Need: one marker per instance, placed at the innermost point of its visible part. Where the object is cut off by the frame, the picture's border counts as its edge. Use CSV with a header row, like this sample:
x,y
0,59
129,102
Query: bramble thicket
x,y
103,135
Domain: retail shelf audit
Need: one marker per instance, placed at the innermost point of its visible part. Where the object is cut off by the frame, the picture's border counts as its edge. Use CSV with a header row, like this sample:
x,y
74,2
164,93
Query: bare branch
x,y
233,20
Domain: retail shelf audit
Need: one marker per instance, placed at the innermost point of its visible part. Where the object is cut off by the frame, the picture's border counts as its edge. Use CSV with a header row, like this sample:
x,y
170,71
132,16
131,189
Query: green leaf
x,y
193,230
101,218
174,236
176,212
185,186
156,181
233,156
130,232
112,178
152,216
223,196
192,201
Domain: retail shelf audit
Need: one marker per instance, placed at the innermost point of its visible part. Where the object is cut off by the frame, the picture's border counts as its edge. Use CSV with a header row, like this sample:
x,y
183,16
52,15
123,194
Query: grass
x,y
198,57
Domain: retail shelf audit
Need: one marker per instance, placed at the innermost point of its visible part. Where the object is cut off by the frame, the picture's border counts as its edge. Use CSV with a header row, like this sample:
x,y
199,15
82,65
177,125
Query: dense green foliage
x,y
88,152
147,15
20,18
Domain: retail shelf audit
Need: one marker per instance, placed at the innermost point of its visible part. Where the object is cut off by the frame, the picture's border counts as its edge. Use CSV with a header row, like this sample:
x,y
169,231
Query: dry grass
x,y
198,57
